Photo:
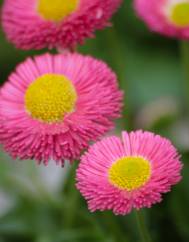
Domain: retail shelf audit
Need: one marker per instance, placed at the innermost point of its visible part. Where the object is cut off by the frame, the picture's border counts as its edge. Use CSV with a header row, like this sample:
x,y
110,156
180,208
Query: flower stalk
x,y
184,51
143,230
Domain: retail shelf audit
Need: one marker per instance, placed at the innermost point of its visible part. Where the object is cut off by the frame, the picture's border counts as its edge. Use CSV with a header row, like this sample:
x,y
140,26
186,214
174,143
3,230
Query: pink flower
x,y
168,17
36,24
52,106
132,172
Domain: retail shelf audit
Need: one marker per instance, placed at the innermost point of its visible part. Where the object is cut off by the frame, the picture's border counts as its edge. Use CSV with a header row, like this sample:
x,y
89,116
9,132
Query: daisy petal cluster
x,y
128,173
52,106
167,17
36,24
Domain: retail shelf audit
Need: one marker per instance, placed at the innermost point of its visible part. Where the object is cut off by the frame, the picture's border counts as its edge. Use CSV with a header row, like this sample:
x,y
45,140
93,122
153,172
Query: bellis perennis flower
x,y
168,17
52,106
131,172
36,24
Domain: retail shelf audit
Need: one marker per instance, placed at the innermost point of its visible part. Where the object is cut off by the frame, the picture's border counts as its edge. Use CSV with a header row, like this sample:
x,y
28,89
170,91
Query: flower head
x,y
168,17
36,24
132,172
53,106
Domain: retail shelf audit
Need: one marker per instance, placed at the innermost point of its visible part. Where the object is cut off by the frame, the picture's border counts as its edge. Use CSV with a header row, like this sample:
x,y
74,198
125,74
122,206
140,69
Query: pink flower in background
x,y
53,105
129,173
168,17
36,24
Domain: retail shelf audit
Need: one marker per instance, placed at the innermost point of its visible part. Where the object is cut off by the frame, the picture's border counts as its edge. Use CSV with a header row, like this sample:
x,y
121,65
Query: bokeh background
x,y
41,204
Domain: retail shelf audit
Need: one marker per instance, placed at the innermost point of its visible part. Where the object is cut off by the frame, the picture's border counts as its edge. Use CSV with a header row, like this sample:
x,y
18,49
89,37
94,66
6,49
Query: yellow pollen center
x,y
56,10
180,14
129,173
50,97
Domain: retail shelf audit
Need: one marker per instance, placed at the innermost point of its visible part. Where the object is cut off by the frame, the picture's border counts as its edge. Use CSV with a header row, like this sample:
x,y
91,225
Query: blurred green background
x,y
41,204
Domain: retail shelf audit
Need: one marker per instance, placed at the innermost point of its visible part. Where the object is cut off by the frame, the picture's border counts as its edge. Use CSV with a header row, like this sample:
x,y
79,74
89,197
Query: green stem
x,y
184,51
144,234
72,194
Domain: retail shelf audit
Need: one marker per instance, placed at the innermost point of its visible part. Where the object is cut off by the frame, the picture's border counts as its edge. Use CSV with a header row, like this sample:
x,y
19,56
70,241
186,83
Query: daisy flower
x,y
52,106
129,173
168,17
36,24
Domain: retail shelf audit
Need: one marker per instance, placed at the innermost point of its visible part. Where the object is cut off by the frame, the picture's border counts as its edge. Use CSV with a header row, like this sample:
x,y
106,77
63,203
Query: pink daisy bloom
x,y
129,173
53,105
36,24
168,17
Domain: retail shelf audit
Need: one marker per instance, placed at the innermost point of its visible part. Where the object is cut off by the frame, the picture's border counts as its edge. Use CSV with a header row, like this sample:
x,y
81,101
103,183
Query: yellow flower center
x,y
180,14
50,97
129,173
56,10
